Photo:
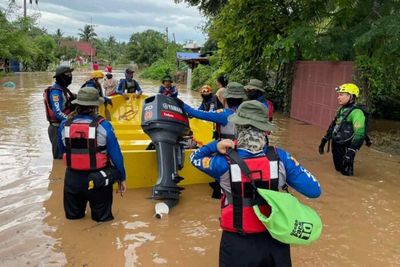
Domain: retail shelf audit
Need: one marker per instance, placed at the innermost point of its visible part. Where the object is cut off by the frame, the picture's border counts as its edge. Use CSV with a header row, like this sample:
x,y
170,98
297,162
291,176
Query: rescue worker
x,y
221,83
129,85
110,85
93,159
347,131
245,241
208,103
255,91
94,81
95,66
57,100
234,94
166,88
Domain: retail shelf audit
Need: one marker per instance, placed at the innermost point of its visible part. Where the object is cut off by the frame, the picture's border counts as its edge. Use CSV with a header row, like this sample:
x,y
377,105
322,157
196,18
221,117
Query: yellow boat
x,y
141,164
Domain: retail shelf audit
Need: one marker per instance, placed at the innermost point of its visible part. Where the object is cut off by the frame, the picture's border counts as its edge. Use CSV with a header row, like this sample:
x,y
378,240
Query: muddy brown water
x,y
361,215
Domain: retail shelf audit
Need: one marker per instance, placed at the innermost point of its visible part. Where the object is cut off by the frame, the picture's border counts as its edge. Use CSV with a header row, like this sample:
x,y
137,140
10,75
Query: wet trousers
x,y
253,250
338,153
53,136
77,194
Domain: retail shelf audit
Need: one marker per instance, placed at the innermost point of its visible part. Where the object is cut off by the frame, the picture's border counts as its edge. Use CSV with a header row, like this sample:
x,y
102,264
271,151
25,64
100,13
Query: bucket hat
x,y
252,113
167,78
234,90
290,221
62,69
88,96
255,84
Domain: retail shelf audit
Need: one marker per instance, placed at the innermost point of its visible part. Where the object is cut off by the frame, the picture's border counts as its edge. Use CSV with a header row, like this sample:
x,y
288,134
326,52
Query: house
x,y
83,48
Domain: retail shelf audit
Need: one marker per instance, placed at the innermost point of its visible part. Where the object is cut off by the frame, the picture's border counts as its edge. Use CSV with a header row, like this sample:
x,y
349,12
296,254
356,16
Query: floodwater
x,y
361,215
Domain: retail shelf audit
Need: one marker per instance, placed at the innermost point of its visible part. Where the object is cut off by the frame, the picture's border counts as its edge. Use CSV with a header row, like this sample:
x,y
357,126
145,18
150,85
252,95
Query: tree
x,y
208,7
87,33
146,47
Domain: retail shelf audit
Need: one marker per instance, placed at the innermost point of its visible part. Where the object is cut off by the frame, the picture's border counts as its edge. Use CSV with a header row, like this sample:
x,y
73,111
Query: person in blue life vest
x,y
348,130
166,88
95,77
234,95
208,99
245,241
129,85
255,91
57,101
93,158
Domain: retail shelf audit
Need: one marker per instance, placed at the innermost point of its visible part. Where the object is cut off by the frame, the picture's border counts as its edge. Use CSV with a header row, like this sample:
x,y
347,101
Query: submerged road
x,y
361,215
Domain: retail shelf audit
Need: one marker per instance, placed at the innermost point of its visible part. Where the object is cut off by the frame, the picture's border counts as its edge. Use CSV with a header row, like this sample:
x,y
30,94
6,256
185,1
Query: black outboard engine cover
x,y
165,122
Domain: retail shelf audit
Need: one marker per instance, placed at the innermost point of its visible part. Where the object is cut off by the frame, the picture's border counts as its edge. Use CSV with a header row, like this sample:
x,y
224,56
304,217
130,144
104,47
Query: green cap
x,y
234,90
62,69
88,96
167,78
252,113
255,84
129,70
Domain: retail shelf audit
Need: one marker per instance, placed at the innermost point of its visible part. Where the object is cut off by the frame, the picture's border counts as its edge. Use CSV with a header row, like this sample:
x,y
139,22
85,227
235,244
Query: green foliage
x,y
146,47
208,7
201,76
87,33
158,69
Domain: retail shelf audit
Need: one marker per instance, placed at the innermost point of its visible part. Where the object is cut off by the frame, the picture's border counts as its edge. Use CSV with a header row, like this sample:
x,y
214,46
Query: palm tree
x,y
87,33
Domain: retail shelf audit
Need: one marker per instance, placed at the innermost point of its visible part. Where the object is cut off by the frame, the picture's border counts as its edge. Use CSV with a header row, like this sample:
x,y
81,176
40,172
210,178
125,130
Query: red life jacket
x,y
237,213
81,149
68,95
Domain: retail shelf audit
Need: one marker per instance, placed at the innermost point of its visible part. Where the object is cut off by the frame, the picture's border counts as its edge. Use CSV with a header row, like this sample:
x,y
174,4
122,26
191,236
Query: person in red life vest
x,y
255,91
167,88
95,66
57,101
245,241
108,68
93,158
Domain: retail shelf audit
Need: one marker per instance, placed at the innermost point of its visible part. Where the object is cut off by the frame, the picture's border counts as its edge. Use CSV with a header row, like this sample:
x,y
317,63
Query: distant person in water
x,y
221,83
167,88
208,103
95,66
110,85
108,68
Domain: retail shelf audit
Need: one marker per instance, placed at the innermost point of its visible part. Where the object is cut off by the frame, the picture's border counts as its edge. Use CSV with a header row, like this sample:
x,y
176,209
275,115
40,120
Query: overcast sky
x,y
119,18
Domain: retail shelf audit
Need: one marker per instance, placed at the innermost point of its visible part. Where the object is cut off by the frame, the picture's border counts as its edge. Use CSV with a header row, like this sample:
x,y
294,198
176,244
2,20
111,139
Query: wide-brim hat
x,y
255,84
62,69
234,90
252,113
88,96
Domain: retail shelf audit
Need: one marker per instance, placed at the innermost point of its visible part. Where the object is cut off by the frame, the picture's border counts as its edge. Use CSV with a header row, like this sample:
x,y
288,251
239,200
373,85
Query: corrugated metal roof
x,y
188,56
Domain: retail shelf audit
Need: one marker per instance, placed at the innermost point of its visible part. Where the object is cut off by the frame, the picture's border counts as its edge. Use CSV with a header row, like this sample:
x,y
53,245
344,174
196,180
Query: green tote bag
x,y
290,221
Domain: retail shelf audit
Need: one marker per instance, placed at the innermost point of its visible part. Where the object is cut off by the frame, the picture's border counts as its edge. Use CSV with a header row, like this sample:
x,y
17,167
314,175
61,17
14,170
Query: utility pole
x,y
166,30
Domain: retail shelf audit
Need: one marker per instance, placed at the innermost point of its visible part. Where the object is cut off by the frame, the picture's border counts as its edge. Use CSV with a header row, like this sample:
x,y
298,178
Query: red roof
x,y
85,48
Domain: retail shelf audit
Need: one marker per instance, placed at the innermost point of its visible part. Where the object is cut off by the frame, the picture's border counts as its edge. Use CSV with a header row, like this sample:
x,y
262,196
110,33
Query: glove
x,y
321,147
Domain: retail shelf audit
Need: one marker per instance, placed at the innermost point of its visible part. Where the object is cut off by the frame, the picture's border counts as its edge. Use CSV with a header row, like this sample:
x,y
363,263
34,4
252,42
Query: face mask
x,y
64,80
206,97
253,94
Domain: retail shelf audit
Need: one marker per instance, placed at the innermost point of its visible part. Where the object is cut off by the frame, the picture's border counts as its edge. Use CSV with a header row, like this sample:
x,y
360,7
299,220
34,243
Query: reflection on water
x,y
361,214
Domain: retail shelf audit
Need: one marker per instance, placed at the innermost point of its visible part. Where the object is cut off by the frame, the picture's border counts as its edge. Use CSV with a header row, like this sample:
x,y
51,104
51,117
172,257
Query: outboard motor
x,y
165,122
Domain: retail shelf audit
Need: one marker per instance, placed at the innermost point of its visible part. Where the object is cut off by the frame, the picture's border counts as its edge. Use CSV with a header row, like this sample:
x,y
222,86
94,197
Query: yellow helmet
x,y
349,88
97,74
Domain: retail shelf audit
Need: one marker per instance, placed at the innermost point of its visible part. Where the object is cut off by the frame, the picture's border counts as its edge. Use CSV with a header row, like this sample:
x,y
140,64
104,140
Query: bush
x,y
157,70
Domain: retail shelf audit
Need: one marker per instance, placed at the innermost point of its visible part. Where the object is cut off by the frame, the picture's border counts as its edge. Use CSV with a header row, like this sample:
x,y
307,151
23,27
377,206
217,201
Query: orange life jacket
x,y
81,149
237,213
